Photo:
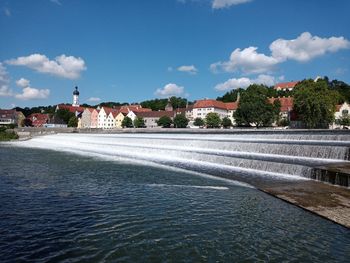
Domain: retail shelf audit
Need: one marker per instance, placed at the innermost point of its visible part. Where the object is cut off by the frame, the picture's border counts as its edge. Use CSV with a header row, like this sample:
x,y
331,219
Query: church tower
x,y
75,97
169,106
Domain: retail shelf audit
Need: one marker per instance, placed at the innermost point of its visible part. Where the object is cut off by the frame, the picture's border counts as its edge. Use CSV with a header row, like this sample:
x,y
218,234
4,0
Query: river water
x,y
75,204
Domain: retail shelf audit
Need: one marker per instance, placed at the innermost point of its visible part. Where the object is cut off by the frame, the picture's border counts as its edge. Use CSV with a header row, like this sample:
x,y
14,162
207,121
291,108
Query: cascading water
x,y
249,158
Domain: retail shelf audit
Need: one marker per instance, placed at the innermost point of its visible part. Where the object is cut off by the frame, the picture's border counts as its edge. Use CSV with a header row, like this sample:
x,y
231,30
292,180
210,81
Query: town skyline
x,y
131,51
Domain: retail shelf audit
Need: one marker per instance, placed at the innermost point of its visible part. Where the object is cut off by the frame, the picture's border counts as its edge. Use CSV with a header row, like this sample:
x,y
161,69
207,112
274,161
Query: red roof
x,y
210,104
70,108
8,113
286,103
286,85
232,105
38,119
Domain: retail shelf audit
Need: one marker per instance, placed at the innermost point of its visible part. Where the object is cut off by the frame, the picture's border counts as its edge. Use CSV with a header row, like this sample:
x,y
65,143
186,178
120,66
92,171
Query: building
x,y
11,117
231,108
94,118
37,120
151,117
202,107
75,97
169,106
286,106
118,119
286,86
86,118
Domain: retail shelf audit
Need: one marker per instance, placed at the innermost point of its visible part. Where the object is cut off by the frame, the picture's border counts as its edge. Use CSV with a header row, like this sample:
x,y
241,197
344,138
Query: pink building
x,y
94,118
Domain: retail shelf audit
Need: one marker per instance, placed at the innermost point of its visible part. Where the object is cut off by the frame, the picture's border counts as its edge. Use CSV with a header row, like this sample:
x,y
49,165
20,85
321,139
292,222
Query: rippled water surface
x,y
60,207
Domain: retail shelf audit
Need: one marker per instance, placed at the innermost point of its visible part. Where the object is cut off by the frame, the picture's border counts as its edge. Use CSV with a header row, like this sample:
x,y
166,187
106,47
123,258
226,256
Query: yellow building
x,y
118,119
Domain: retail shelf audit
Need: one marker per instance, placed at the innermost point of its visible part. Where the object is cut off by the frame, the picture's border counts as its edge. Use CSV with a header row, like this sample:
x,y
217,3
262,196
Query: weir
x,y
271,162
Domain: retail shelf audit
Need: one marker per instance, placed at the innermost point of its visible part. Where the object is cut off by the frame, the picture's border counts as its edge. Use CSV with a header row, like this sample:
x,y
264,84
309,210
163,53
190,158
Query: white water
x,y
238,157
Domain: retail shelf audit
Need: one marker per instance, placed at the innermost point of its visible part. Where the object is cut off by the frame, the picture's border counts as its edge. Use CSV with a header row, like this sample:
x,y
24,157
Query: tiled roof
x,y
286,103
70,108
38,119
232,105
210,104
286,85
9,114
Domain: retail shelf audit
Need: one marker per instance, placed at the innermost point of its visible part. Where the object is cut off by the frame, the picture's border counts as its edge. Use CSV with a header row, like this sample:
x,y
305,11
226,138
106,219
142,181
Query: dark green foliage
x,y
226,122
230,96
198,122
159,104
164,121
213,120
180,121
64,115
73,122
127,122
314,102
139,122
6,135
255,109
111,104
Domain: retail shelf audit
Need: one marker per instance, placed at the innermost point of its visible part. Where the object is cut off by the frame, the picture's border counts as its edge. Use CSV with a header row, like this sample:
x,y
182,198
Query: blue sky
x,y
133,50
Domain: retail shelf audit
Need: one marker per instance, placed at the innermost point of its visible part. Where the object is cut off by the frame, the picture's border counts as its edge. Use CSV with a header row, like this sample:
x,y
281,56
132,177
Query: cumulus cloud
x,y
93,99
236,83
5,90
217,4
170,90
306,47
22,82
248,61
29,93
62,66
189,69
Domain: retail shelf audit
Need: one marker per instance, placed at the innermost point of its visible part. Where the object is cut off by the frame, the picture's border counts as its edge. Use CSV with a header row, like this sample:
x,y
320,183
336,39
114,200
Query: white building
x,y
202,107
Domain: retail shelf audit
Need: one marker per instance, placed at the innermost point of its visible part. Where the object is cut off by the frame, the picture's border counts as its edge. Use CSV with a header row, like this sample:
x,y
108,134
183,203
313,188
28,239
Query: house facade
x,y
151,117
202,107
14,117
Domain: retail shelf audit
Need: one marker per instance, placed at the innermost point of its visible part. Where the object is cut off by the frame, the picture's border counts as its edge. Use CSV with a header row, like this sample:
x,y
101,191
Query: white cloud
x,y
235,83
169,90
306,47
191,69
7,12
63,66
5,90
29,93
93,99
247,60
22,82
217,4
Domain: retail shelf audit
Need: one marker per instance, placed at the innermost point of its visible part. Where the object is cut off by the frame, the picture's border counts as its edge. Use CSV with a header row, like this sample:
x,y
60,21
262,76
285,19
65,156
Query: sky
x,y
134,50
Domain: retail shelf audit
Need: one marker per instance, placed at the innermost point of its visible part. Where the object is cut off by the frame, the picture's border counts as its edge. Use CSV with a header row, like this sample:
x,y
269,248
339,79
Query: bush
x,y
180,121
139,122
226,122
127,122
198,122
164,121
213,120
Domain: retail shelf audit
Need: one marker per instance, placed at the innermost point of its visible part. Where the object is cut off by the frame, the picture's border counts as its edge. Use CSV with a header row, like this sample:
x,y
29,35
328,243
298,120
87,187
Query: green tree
x,y
73,122
198,122
314,102
180,121
226,122
127,122
164,121
64,115
213,120
254,107
139,122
